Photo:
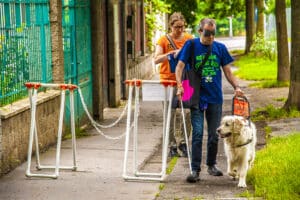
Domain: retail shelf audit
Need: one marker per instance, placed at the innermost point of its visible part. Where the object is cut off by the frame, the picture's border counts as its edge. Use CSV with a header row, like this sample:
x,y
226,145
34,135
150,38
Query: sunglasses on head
x,y
208,33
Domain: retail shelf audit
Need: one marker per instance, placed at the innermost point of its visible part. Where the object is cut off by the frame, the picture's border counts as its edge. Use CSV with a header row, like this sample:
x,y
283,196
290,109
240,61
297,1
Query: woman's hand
x,y
175,52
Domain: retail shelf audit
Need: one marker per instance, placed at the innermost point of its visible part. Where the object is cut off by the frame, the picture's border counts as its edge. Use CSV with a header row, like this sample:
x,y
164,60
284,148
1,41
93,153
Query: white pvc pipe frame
x,y
32,89
159,176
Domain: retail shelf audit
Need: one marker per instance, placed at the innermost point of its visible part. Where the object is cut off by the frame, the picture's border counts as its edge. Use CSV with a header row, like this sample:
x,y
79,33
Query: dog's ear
x,y
244,120
238,121
238,124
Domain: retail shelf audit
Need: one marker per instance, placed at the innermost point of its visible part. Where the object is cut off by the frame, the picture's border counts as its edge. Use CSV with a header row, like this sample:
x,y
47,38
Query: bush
x,y
261,47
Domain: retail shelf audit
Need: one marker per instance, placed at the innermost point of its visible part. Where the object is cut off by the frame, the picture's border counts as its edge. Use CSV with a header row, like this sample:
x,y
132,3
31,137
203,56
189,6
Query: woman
x,y
163,49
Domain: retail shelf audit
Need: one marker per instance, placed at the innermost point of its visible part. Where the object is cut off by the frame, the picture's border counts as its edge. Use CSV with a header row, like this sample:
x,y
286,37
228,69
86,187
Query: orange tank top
x,y
165,71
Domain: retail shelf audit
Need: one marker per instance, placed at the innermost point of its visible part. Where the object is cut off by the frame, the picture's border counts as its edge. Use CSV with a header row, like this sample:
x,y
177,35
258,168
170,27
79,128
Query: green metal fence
x,y
25,47
77,53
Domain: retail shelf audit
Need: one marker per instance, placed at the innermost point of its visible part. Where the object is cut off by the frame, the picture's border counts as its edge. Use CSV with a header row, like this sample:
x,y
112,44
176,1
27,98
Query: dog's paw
x,y
232,174
242,185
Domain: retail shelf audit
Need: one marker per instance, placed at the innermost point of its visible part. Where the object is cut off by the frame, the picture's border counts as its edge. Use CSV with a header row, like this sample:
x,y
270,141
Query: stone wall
x,y
142,68
15,126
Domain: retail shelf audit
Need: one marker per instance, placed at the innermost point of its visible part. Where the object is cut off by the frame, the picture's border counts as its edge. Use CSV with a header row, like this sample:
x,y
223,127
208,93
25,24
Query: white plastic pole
x,y
32,127
186,136
72,118
135,131
59,133
165,113
167,135
127,132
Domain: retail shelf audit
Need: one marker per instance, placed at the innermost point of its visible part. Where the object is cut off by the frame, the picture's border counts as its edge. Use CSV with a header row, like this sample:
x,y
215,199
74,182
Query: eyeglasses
x,y
178,27
208,33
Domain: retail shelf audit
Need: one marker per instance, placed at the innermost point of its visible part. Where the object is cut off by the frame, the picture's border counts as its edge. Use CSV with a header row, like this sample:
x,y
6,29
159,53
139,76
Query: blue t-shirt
x,y
211,85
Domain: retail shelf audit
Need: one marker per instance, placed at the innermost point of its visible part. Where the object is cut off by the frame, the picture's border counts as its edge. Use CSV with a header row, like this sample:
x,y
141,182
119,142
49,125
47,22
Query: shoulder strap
x,y
206,56
193,54
171,41
199,71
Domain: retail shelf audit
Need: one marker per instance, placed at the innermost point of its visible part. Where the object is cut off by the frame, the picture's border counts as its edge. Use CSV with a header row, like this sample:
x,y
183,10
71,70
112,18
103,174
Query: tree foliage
x,y
270,6
219,9
152,9
188,9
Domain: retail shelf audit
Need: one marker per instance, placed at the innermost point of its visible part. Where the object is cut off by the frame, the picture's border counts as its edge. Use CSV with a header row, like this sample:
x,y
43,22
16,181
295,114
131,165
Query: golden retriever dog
x,y
239,136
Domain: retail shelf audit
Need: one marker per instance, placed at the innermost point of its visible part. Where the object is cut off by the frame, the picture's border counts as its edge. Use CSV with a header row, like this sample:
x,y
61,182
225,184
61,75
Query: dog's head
x,y
231,126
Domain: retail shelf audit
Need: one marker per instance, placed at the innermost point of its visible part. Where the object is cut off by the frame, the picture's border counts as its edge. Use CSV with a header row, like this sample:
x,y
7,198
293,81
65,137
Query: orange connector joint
x,y
166,83
72,87
136,82
64,86
30,85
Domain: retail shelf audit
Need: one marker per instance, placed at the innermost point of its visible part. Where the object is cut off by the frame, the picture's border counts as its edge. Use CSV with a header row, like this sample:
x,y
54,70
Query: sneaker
x,y
173,152
193,177
214,171
183,149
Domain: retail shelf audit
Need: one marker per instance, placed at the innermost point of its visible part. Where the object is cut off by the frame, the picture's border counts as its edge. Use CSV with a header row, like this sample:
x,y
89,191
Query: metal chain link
x,y
96,125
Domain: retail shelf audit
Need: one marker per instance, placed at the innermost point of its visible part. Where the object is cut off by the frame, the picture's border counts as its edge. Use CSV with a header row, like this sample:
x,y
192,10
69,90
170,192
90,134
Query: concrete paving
x,y
99,161
100,164
209,187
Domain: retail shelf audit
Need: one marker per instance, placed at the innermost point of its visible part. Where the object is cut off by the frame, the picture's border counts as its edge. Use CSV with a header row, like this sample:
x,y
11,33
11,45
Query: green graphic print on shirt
x,y
210,68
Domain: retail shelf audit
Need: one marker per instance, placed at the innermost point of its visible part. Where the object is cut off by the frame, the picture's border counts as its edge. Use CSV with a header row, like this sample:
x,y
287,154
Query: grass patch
x,y
268,131
280,99
270,113
78,132
246,194
169,170
198,198
161,186
237,52
171,165
276,173
270,84
256,68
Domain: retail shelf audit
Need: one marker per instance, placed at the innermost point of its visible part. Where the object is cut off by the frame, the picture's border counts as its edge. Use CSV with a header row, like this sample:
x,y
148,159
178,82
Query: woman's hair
x,y
176,16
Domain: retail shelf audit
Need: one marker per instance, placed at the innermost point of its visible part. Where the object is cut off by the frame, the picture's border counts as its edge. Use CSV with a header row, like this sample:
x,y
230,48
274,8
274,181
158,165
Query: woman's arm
x,y
160,56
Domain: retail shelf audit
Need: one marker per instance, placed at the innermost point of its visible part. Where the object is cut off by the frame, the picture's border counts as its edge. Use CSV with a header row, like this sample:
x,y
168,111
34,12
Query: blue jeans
x,y
213,115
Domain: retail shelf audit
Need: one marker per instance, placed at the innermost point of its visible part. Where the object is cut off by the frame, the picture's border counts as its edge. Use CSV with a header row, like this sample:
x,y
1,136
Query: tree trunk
x,y
260,27
57,41
283,65
250,27
294,90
